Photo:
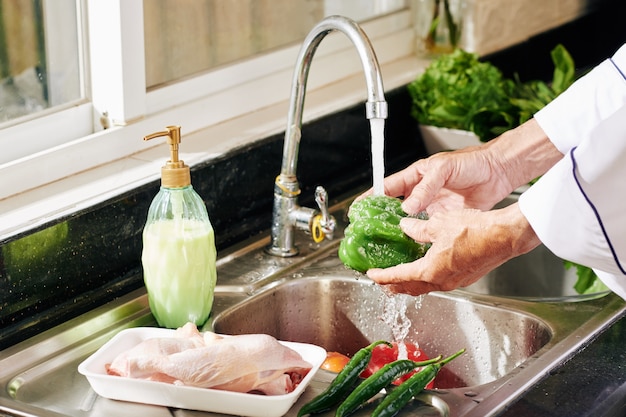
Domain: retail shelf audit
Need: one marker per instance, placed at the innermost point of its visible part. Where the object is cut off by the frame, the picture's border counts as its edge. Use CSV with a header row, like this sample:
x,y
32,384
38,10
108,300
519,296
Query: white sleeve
x,y
578,208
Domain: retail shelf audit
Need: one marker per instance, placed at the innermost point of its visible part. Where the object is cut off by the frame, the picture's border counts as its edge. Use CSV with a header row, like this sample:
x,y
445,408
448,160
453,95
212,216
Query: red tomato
x,y
383,354
335,362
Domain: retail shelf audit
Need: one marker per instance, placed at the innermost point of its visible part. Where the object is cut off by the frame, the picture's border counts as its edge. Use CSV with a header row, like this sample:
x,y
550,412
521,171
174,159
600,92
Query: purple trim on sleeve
x,y
617,68
595,211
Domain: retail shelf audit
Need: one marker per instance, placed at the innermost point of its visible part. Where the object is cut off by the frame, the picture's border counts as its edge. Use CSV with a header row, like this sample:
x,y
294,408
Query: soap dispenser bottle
x,y
179,252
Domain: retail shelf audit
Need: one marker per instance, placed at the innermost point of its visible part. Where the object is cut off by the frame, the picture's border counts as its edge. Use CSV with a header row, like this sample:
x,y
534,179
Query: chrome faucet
x,y
287,214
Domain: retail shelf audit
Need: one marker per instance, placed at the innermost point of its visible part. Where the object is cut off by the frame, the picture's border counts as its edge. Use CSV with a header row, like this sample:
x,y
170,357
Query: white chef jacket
x,y
578,208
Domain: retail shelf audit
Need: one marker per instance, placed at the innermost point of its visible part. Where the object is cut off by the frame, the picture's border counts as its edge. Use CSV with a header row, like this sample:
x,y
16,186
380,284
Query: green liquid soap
x,y
179,252
179,270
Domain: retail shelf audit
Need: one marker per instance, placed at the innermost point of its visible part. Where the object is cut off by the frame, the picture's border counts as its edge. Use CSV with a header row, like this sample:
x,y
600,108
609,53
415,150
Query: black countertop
x,y
591,384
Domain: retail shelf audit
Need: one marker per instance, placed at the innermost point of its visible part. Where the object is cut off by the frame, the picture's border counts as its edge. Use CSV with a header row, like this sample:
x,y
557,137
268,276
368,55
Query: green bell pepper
x,y
373,239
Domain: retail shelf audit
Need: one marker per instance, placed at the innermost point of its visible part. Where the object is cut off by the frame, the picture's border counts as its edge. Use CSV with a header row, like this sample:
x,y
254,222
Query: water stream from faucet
x,y
377,127
395,306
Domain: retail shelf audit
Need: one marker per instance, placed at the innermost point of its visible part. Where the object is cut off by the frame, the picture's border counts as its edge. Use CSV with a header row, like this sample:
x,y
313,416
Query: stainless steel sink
x,y
538,275
344,314
512,342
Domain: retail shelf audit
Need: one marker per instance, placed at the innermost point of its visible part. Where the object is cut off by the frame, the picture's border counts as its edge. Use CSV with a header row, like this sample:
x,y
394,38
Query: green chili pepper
x,y
373,239
377,381
399,397
343,382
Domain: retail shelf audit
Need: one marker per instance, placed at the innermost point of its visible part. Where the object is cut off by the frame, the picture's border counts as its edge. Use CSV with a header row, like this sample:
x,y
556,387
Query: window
x,y
40,66
191,36
135,66
39,56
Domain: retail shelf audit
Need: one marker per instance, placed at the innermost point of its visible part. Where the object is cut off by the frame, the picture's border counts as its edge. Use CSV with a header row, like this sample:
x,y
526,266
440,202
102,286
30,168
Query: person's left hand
x,y
466,245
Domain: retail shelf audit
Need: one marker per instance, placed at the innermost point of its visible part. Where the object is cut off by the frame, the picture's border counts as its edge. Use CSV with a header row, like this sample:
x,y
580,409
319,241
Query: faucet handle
x,y
321,198
324,223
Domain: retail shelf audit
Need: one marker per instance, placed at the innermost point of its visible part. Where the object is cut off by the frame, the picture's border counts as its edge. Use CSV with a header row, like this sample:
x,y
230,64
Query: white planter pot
x,y
438,139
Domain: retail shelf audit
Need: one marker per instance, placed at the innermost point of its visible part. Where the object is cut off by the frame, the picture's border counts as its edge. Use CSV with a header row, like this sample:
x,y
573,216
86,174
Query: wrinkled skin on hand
x,y
455,189
466,244
474,177
449,181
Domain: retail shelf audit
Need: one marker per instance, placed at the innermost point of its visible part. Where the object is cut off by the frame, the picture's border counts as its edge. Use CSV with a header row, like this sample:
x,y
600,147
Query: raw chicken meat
x,y
255,363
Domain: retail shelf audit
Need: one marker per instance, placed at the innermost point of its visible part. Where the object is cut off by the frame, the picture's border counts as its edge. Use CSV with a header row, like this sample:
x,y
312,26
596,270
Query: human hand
x,y
466,245
474,177
468,178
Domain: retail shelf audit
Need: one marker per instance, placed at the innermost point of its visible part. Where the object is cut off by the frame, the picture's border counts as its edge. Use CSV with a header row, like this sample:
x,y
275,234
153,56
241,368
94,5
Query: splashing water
x,y
377,127
418,301
394,315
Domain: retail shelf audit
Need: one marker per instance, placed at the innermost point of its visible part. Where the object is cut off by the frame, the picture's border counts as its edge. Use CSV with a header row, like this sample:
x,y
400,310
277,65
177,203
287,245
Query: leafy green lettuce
x,y
458,91
532,96
587,281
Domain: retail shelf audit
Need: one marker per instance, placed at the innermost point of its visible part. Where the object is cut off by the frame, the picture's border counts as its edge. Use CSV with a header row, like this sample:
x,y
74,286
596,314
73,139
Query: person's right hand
x,y
468,178
475,177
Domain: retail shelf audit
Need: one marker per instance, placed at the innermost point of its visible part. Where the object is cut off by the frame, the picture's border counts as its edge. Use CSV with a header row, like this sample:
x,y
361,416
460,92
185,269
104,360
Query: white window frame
x,y
218,111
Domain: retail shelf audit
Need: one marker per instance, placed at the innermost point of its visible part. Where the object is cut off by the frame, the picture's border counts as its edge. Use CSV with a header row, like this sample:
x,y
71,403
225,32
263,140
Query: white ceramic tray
x,y
202,399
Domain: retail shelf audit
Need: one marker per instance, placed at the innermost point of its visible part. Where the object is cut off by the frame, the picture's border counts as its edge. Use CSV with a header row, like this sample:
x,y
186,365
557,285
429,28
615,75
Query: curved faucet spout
x,y
287,214
375,107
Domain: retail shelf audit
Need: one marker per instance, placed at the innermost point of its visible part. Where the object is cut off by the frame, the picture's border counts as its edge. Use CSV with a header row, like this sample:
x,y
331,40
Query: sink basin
x,y
511,341
344,314
538,275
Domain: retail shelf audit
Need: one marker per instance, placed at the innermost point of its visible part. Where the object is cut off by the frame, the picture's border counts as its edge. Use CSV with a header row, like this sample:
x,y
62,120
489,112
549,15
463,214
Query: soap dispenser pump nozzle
x,y
174,174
